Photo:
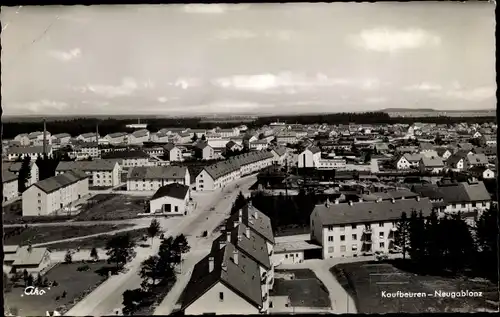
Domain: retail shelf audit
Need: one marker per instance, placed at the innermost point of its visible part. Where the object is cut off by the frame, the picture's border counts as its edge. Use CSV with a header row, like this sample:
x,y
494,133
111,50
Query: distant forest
x,y
84,125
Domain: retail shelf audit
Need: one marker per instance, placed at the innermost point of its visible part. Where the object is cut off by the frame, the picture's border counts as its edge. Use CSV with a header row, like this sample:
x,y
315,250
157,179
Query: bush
x,y
83,268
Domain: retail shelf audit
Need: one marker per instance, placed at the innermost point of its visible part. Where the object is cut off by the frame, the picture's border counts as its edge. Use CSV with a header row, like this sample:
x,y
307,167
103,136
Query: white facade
x,y
308,159
116,139
221,300
132,139
102,178
33,153
175,155
288,257
328,164
259,145
36,202
207,153
10,190
22,139
87,137
169,205
403,164
135,161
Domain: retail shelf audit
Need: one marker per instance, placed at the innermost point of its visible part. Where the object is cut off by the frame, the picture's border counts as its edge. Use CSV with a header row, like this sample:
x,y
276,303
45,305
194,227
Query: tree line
x,y
79,126
437,245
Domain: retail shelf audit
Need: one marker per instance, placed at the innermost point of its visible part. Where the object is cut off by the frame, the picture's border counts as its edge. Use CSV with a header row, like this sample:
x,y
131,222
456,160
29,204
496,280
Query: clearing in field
x,y
112,207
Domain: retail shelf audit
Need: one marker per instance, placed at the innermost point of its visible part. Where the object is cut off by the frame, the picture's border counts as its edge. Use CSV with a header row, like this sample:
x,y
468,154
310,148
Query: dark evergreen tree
x,y
194,138
401,238
417,237
24,174
487,236
239,203
433,241
120,249
203,138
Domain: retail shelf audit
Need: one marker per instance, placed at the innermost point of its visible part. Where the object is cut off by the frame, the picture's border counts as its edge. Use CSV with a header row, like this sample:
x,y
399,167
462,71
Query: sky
x,y
247,58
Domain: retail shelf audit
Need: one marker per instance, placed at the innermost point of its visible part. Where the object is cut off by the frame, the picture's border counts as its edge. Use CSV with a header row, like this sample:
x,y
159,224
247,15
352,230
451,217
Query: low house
x,y
36,138
171,199
233,146
456,162
481,172
10,185
61,138
33,260
117,138
54,194
88,137
279,155
138,137
102,173
259,145
444,153
149,178
475,160
172,153
13,153
434,165
22,139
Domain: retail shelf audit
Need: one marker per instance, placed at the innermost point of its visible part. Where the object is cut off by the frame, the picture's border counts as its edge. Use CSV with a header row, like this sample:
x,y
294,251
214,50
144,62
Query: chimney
x,y
393,200
236,224
336,201
256,214
350,203
97,133
44,137
210,264
228,236
403,198
247,232
235,257
222,244
418,198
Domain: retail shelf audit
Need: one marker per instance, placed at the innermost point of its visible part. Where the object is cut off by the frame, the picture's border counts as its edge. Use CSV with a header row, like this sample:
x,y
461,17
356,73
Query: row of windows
x,y
354,247
355,237
367,226
464,205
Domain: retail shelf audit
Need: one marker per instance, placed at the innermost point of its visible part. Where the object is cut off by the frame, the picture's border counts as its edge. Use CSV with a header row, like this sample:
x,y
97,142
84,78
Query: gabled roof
x,y
169,146
455,192
27,149
157,172
477,159
261,224
14,167
174,190
8,176
280,150
61,135
117,135
140,133
96,165
57,182
432,162
234,163
361,212
125,154
314,149
412,157
242,278
88,135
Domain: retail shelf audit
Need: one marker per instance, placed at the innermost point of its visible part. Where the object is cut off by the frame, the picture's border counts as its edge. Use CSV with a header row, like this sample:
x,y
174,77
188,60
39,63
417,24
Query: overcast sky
x,y
258,58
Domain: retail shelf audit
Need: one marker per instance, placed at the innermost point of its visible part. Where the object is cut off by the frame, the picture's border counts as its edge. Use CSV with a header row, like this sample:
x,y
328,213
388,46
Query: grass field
x,y
95,242
12,214
366,282
76,285
112,207
33,235
303,288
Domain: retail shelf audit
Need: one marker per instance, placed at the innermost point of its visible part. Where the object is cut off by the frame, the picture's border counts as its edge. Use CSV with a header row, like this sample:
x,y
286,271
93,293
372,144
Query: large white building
x,y
361,228
138,137
55,194
10,185
222,173
117,138
129,158
309,158
88,137
171,199
151,178
15,167
36,138
172,153
102,173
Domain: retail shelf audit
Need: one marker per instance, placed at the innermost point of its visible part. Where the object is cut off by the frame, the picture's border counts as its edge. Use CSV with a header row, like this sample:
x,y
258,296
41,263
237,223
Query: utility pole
x,y
44,137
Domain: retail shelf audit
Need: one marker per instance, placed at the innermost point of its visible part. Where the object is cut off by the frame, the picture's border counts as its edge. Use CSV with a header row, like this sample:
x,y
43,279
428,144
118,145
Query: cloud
x,y
226,106
95,103
392,40
263,82
230,34
42,106
375,100
475,94
66,56
423,87
186,83
127,88
162,99
213,8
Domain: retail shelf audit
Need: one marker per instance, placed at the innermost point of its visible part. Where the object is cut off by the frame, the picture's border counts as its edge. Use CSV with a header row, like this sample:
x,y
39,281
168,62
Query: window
x,y
354,236
221,296
381,224
330,228
354,247
342,238
330,239
463,205
473,205
381,235
484,203
176,208
382,245
201,181
41,195
286,256
342,248
454,205
353,226
39,208
330,249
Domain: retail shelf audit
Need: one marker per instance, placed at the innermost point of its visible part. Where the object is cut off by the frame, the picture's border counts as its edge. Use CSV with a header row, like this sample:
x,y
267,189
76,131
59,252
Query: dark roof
x,y
14,167
261,224
96,165
280,150
157,172
360,212
254,246
61,135
117,134
169,146
432,162
393,194
314,149
27,149
54,183
140,133
8,176
477,159
234,163
174,190
455,192
125,154
242,278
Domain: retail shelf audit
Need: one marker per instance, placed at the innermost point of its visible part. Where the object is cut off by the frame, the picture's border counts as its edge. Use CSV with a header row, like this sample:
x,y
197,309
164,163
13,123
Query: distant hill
x,y
431,110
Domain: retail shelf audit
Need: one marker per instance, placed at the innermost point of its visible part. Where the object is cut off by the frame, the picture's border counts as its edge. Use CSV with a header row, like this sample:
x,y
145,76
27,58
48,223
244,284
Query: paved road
x,y
78,223
108,296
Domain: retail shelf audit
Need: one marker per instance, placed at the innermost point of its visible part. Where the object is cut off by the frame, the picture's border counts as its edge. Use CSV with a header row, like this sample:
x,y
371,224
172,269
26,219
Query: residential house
x,y
10,185
482,172
285,137
101,173
457,161
117,138
233,146
259,145
171,199
13,153
220,174
228,133
159,137
475,160
22,139
54,194
36,138
129,158
15,167
309,157
362,228
138,137
444,153
88,137
489,140
434,165
151,178
34,260
203,151
61,138
172,153
279,155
